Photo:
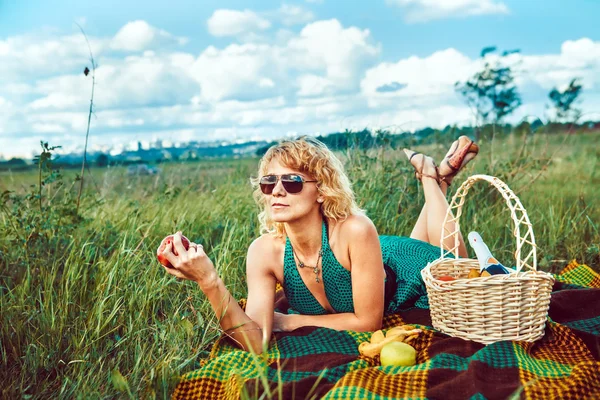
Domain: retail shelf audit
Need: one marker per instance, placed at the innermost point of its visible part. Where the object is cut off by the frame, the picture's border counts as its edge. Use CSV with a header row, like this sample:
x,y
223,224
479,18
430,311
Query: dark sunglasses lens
x,y
292,186
267,188
267,183
291,183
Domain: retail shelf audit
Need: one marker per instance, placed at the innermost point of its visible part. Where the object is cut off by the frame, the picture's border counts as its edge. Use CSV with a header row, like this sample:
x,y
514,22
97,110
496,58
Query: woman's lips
x,y
277,205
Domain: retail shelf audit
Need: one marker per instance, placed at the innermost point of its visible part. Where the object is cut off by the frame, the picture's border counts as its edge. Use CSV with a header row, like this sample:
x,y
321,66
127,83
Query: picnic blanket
x,y
323,363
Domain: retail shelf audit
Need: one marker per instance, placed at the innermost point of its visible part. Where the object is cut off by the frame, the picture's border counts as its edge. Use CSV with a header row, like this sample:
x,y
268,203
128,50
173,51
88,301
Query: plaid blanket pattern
x,y
323,363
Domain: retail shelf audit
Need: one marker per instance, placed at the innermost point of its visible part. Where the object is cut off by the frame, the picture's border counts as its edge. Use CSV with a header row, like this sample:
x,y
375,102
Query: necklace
x,y
315,269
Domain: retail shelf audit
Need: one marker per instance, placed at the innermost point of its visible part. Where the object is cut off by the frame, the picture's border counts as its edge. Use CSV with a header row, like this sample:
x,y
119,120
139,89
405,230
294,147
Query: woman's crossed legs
x,y
428,227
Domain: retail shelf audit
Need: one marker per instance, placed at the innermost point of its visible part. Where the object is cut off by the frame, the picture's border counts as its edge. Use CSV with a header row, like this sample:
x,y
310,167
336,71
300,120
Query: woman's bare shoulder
x,y
356,224
268,241
265,249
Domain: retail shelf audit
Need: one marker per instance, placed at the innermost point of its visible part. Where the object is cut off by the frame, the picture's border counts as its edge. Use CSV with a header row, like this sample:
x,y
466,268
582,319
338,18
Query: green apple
x,y
398,354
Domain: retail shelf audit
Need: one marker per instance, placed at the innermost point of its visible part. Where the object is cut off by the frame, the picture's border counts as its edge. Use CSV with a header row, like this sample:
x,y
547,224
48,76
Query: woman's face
x,y
287,207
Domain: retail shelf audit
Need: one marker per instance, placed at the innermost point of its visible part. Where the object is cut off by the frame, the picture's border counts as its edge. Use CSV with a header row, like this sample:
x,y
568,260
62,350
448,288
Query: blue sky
x,y
207,70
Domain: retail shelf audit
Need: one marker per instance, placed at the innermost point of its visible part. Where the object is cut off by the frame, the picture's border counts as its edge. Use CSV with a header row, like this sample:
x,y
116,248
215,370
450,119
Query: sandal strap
x,y
418,171
413,154
443,179
421,175
455,170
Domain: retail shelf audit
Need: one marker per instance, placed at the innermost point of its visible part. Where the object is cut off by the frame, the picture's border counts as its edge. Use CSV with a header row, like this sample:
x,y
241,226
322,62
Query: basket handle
x,y
517,213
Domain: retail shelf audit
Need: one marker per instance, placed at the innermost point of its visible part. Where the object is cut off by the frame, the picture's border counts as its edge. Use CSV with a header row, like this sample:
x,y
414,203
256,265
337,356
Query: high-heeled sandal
x,y
419,172
457,160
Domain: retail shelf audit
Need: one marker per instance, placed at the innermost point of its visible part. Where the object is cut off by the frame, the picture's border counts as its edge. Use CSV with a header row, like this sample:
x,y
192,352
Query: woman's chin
x,y
280,219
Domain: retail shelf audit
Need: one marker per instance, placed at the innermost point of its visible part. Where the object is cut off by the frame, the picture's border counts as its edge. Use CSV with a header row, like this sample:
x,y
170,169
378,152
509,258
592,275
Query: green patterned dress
x,y
403,259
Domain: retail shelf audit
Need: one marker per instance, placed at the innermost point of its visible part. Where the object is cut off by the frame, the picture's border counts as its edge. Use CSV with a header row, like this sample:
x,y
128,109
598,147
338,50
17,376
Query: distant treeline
x,y
364,139
367,139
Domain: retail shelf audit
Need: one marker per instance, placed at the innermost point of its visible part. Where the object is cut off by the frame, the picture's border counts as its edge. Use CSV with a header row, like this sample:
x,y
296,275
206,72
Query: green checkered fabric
x,y
323,363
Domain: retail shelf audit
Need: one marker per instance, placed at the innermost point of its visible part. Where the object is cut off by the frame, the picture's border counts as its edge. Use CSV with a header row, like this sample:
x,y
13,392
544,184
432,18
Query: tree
x,y
18,162
102,160
491,91
563,101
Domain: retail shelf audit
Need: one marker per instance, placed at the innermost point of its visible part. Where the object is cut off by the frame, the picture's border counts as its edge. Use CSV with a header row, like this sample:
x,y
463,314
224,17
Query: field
x,y
87,312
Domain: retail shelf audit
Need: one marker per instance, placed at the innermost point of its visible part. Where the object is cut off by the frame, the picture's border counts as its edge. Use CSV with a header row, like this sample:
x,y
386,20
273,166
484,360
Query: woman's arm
x,y
261,286
340,322
194,264
368,284
245,332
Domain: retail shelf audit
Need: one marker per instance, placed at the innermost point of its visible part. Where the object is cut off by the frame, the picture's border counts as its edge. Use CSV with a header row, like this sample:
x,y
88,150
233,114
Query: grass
x,y
87,312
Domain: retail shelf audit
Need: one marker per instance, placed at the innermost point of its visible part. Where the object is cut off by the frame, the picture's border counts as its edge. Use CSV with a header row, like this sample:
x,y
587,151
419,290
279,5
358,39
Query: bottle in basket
x,y
487,262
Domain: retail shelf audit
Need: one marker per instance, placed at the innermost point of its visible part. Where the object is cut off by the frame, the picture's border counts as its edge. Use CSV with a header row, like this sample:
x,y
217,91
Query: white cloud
x,y
408,119
427,83
578,58
225,22
294,15
139,36
337,51
148,79
44,54
74,122
6,107
428,10
313,85
235,71
16,89
47,128
266,83
415,77
324,78
325,50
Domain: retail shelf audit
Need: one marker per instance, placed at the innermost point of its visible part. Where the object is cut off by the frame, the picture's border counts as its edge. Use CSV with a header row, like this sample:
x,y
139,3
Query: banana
x,y
369,349
402,333
398,330
377,337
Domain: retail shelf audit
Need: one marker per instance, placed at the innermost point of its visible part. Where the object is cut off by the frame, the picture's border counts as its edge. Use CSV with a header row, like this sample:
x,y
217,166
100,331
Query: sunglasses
x,y
291,183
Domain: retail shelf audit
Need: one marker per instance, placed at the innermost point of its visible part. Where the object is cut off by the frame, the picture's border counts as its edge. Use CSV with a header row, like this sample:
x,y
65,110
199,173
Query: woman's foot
x,y
424,166
461,152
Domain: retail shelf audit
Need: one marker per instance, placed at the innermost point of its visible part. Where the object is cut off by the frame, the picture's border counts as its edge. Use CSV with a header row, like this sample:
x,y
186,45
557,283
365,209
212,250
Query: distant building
x,y
142,169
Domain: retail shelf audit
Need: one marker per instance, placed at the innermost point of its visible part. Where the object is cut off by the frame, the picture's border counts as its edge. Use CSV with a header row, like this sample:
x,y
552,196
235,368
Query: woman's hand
x,y
192,264
283,322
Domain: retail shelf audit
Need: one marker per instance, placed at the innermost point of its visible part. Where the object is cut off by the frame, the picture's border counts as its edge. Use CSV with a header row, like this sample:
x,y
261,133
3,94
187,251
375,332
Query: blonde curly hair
x,y
311,157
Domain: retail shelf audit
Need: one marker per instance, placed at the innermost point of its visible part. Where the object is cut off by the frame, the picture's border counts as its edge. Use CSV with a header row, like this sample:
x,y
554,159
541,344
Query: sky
x,y
236,70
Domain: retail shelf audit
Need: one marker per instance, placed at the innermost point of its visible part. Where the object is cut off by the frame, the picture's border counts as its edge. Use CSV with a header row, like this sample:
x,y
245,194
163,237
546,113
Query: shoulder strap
x,y
324,235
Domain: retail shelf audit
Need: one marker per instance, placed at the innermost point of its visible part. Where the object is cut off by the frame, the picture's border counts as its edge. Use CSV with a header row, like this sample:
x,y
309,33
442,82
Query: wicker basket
x,y
494,308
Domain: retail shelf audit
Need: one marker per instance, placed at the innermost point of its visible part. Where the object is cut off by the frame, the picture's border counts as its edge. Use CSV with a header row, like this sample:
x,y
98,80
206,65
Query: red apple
x,y
169,239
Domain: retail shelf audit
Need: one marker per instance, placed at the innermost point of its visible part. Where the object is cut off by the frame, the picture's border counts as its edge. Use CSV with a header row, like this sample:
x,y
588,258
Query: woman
x,y
335,270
